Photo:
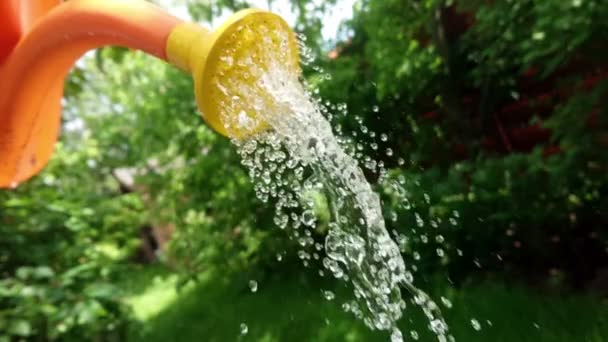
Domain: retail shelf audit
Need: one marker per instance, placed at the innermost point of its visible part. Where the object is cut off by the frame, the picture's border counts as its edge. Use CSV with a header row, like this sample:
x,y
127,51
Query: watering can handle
x,y
34,66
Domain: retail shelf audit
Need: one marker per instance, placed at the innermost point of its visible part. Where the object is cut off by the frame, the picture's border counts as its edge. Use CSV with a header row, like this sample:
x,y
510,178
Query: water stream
x,y
296,161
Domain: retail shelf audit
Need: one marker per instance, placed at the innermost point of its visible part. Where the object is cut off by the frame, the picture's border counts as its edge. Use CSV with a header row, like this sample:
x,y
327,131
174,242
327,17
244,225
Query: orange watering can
x,y
41,39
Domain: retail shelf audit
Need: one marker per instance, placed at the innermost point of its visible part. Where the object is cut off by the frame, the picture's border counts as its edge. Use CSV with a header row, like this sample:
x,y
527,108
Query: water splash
x,y
253,286
475,324
297,162
244,329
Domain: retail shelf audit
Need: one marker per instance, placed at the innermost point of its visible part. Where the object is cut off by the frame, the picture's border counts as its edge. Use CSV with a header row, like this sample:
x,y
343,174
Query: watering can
x,y
40,40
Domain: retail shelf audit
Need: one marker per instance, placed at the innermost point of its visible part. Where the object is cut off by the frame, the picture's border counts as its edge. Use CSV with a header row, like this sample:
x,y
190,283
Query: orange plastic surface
x,y
32,75
18,16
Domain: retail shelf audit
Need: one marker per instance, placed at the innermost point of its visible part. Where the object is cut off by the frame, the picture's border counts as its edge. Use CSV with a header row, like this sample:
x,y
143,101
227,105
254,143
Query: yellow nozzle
x,y
216,58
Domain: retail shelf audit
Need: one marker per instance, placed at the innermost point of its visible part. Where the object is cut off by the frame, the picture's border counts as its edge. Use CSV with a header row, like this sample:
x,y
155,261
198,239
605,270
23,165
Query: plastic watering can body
x,y
40,40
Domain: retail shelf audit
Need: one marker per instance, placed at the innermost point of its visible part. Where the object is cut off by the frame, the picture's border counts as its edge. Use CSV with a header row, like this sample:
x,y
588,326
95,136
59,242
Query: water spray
x,y
248,87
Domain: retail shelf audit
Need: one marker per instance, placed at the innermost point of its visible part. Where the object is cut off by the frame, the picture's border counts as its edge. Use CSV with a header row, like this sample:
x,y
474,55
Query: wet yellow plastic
x,y
196,50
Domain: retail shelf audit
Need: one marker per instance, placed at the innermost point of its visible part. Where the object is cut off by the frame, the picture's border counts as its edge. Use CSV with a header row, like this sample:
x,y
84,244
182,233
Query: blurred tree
x,y
498,109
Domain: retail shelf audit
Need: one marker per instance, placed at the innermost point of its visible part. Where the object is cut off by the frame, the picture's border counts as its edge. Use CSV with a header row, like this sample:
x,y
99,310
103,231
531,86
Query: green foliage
x,y
400,64
441,75
63,235
513,35
80,303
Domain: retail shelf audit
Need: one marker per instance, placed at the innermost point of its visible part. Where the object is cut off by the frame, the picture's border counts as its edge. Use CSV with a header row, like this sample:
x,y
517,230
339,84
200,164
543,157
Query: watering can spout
x,y
40,40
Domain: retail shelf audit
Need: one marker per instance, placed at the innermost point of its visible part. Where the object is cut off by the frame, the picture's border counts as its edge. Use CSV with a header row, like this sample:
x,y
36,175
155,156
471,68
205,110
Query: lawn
x,y
293,309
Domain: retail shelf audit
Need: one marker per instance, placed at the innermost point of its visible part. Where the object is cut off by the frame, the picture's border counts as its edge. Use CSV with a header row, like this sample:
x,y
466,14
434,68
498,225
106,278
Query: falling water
x,y
296,161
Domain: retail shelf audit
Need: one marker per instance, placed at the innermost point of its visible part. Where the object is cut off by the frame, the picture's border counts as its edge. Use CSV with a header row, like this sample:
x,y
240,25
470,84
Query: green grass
x,y
293,309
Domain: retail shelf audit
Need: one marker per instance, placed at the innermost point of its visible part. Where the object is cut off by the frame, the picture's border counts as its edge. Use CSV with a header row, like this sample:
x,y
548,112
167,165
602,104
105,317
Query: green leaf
x,y
78,271
20,328
24,272
102,291
43,272
89,311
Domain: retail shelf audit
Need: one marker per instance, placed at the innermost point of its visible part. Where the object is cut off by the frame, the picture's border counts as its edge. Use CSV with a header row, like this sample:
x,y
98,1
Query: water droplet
x,y
308,218
394,216
396,335
475,324
244,329
253,286
439,327
419,221
303,255
402,241
300,160
446,302
328,295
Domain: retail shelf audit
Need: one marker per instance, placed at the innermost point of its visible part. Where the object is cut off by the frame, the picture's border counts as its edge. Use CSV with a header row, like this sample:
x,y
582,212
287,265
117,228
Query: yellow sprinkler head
x,y
227,64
